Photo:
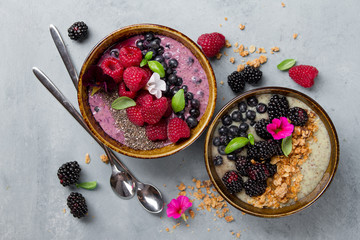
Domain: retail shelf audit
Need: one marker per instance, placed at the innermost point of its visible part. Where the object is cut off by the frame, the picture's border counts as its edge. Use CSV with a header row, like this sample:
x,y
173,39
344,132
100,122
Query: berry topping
x,y
260,128
216,141
236,81
231,157
297,116
124,91
254,188
277,107
130,56
113,68
135,78
78,31
194,112
223,130
233,181
226,120
264,150
303,75
250,114
173,63
243,127
233,130
221,150
177,129
195,103
242,107
252,101
134,115
69,173
211,43
236,116
192,122
252,75
261,108
154,112
77,204
242,164
218,160
157,131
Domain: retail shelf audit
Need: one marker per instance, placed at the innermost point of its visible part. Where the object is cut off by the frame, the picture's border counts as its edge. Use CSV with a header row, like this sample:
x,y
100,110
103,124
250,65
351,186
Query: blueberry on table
x,y
226,120
173,63
223,130
252,101
261,108
194,112
216,141
250,114
243,127
242,107
192,122
236,116
218,160
196,104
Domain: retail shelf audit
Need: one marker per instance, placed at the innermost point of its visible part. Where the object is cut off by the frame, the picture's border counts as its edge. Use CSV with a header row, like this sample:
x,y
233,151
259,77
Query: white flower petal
x,y
155,85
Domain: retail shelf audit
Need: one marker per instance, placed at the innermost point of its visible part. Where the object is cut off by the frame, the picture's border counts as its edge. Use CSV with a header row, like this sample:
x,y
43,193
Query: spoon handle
x,y
59,43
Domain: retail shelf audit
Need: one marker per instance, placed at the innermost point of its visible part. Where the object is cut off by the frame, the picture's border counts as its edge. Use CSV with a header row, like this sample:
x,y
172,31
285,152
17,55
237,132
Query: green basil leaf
x,y
148,55
235,144
143,62
155,66
178,101
286,145
286,64
122,103
251,139
87,185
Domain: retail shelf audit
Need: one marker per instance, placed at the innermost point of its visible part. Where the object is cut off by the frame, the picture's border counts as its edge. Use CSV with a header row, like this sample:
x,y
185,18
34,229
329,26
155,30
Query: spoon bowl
x,y
122,183
150,197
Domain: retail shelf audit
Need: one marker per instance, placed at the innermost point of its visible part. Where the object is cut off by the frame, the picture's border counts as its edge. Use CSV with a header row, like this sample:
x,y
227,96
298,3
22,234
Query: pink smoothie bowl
x,y
122,35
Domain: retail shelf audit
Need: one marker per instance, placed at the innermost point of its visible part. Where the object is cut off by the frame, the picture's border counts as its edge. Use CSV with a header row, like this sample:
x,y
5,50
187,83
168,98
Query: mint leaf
x,y
155,66
143,62
148,55
286,64
87,185
251,139
178,101
122,103
235,144
286,145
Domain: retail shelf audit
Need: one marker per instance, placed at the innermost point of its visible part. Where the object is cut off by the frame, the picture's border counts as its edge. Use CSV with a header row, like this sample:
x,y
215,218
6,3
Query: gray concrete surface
x,y
37,135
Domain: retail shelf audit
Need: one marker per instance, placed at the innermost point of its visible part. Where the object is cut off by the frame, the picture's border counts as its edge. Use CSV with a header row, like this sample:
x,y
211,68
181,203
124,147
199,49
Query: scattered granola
x,y
241,26
275,49
222,82
104,159
232,60
240,67
87,158
226,18
252,49
218,56
283,4
227,44
295,35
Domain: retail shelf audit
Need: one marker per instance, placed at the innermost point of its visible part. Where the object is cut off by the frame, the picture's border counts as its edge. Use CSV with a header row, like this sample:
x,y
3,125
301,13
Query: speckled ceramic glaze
x,y
125,33
301,203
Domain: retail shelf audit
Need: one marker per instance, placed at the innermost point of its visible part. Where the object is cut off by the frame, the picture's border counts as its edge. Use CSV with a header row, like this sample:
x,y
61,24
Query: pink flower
x,y
177,207
280,128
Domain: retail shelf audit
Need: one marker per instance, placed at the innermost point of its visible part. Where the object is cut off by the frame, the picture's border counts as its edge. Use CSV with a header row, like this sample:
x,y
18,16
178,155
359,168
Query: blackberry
x,y
255,188
69,173
233,181
77,204
260,128
297,116
224,140
257,172
236,81
218,160
242,164
271,169
252,75
264,150
78,31
278,107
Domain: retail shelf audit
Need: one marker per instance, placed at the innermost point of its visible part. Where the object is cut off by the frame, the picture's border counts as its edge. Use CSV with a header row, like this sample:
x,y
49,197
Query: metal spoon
x,y
121,182
149,196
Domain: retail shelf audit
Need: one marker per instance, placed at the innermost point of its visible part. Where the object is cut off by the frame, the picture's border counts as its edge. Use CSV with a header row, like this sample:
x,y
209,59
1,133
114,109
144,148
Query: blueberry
x,y
195,103
223,130
252,101
150,49
172,78
160,50
155,43
169,71
185,87
189,95
114,53
236,116
144,52
167,55
200,93
173,63
252,123
159,58
192,122
234,130
261,108
216,141
165,66
194,112
174,90
167,92
190,61
97,109
218,160
242,107
226,120
181,112
250,114
149,36
196,80
231,137
243,127
140,44
182,117
231,157
238,150
224,140
179,81
243,134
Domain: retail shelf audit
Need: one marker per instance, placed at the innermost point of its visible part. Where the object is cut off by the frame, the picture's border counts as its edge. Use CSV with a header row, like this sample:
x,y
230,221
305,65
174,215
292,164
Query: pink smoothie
x,y
189,69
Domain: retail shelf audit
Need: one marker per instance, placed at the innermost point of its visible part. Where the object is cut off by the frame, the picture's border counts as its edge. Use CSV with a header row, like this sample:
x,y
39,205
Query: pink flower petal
x,y
184,202
280,128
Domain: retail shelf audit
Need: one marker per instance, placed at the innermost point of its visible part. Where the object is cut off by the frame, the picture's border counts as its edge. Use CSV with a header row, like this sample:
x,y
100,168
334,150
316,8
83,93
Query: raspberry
x,y
211,43
157,131
297,116
135,78
255,188
303,75
130,56
134,115
169,110
233,181
154,112
69,173
260,128
124,91
113,68
236,81
177,129
77,204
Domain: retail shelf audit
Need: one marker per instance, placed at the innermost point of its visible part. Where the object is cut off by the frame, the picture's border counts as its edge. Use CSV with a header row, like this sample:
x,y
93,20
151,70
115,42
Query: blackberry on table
x,y
77,204
252,75
233,181
242,164
218,160
297,116
260,129
78,31
69,173
277,107
264,150
236,81
255,188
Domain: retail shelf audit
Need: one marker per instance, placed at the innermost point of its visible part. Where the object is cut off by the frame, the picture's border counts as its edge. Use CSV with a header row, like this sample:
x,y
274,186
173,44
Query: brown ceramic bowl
x,y
121,35
301,203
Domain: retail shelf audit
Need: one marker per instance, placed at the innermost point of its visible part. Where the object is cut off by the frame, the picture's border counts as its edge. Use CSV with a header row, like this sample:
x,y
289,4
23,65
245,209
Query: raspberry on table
x,y
69,173
130,56
233,181
113,68
211,43
77,204
78,31
303,75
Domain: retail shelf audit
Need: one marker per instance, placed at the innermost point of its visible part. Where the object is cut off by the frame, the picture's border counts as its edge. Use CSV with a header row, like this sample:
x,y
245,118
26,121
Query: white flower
x,y
155,85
